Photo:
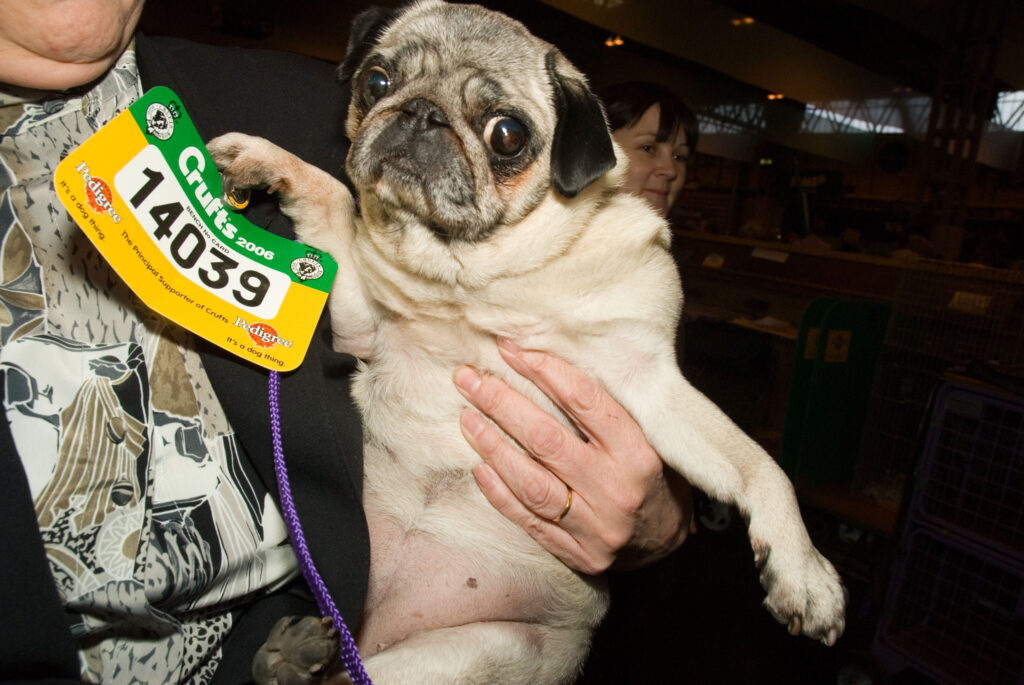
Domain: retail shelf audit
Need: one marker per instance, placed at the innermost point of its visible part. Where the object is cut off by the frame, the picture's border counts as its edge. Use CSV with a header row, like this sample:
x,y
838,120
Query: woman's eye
x,y
375,84
649,149
506,136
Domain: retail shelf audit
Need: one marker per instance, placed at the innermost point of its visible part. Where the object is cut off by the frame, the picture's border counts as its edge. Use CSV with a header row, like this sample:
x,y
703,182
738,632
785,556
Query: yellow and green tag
x,y
147,194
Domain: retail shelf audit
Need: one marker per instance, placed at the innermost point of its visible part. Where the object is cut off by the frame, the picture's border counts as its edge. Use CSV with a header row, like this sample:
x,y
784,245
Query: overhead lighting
x,y
743,21
775,96
614,41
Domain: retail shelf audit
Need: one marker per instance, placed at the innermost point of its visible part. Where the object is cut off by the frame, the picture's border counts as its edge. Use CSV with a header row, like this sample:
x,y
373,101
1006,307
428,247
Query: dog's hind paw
x,y
804,593
299,651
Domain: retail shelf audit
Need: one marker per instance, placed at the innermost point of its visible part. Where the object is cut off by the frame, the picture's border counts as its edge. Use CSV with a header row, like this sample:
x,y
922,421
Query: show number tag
x,y
147,194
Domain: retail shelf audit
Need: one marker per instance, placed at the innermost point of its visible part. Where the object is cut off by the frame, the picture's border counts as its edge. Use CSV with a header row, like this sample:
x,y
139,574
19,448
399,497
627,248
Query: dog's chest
x,y
410,405
416,455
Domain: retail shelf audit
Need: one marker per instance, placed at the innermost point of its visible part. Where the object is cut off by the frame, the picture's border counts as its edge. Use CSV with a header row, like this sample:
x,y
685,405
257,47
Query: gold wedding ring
x,y
565,510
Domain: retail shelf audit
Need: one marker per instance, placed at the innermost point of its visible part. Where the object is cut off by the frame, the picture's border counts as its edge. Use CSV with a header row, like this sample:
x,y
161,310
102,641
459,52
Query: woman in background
x,y
659,134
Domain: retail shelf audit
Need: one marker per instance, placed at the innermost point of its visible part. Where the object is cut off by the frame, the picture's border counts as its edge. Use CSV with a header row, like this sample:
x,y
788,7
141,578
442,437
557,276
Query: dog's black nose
x,y
423,113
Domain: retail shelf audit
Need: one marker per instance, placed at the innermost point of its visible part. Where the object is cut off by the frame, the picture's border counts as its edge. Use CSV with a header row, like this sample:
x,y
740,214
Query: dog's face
x,y
462,121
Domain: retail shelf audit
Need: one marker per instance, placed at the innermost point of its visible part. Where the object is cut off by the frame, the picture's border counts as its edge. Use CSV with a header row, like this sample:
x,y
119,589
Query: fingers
x,y
565,510
523,489
619,448
623,507
556,538
595,413
533,484
540,434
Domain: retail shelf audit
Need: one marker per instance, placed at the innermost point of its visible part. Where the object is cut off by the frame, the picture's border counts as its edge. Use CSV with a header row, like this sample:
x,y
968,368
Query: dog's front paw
x,y
299,651
804,592
248,162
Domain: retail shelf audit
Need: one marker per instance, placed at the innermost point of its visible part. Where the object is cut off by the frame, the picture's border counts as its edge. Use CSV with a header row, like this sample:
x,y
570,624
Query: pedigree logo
x,y
97,193
263,334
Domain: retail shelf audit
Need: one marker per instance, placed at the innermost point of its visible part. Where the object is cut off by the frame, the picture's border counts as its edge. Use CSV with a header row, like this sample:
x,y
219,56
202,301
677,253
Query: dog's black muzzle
x,y
419,149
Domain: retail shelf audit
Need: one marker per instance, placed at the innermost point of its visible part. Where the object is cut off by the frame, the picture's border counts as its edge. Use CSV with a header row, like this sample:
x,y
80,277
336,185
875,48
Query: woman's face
x,y
656,170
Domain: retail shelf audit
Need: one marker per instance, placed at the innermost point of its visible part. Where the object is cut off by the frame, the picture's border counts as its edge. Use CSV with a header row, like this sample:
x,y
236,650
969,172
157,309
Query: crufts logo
x,y
308,268
160,119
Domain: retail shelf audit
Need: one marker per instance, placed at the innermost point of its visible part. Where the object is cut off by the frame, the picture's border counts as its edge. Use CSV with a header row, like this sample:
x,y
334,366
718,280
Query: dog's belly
x,y
441,556
419,585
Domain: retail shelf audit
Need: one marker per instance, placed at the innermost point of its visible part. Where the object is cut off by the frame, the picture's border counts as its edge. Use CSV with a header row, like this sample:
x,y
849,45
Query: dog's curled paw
x,y
247,161
299,651
805,593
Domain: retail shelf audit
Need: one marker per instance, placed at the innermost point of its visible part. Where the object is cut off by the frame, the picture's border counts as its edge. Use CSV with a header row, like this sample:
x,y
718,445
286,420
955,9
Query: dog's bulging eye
x,y
375,84
505,135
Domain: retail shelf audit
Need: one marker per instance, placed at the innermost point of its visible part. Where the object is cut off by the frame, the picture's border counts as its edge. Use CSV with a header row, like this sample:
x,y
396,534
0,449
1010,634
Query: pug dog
x,y
489,208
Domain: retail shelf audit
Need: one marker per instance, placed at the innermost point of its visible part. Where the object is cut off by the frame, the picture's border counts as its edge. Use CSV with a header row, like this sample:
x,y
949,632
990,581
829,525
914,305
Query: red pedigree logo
x,y
98,194
263,334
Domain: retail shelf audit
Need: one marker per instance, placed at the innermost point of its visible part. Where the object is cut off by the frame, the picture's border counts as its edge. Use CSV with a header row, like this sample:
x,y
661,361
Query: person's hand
x,y
626,507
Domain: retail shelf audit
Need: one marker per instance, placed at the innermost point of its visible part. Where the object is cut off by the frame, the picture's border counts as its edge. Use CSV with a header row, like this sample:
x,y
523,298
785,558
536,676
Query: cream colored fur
x,y
458,593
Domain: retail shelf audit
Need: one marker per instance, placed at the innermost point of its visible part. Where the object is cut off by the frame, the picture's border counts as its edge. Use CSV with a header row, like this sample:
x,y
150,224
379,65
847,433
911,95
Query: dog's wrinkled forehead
x,y
466,33
459,50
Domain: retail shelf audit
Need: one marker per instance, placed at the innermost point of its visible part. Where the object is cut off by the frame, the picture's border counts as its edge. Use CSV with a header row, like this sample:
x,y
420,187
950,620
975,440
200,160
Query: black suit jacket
x,y
297,103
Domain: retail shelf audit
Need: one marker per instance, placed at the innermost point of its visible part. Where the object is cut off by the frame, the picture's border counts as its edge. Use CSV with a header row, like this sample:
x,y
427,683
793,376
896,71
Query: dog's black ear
x,y
367,28
581,151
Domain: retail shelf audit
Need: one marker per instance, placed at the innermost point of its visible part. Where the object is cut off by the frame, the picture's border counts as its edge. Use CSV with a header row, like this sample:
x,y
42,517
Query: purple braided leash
x,y
349,653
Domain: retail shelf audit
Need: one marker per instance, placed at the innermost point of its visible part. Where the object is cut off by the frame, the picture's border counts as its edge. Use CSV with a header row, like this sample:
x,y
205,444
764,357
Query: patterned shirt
x,y
154,523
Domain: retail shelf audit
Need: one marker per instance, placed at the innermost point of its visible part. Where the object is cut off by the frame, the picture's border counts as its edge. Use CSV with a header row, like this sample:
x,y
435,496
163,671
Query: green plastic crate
x,y
833,369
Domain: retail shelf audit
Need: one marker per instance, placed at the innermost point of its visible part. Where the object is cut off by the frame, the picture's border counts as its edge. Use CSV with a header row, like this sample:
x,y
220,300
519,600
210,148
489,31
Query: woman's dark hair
x,y
626,102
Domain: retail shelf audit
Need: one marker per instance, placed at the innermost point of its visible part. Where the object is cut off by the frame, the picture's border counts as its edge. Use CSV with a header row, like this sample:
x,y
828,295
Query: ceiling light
x,y
613,41
775,96
743,21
